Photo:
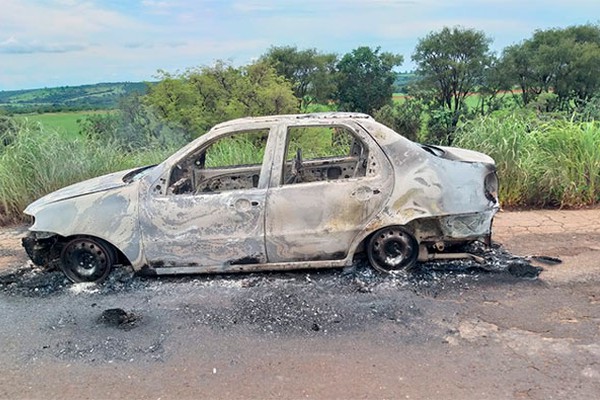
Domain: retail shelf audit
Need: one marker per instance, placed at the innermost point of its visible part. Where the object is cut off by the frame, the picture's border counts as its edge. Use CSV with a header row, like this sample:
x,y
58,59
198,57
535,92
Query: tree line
x,y
554,71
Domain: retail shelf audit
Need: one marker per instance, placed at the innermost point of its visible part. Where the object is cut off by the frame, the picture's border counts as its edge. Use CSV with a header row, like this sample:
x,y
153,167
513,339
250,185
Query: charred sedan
x,y
272,193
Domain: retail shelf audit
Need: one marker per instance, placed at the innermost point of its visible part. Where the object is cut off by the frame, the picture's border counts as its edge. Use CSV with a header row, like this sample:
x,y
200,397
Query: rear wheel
x,y
392,249
87,259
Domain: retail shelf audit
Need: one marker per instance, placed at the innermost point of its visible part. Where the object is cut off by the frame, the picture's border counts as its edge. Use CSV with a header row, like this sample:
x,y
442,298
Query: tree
x,y
366,79
518,67
310,72
578,78
452,63
494,81
404,118
565,62
202,97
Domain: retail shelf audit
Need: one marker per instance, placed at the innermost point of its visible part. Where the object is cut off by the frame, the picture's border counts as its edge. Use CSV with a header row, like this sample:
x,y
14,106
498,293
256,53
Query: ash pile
x,y
433,276
490,262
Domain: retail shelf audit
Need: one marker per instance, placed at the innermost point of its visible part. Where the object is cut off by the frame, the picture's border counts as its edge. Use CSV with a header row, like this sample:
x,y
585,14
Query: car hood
x,y
94,185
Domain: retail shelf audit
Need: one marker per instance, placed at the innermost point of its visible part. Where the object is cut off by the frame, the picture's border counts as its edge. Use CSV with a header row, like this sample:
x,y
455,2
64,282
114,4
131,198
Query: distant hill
x,y
403,79
68,98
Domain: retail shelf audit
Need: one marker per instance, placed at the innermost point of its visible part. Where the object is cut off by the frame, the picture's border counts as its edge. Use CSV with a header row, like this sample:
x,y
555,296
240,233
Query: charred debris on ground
x,y
427,278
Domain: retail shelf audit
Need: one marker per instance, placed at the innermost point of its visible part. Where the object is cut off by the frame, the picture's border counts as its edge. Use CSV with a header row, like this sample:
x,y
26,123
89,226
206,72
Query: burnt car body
x,y
314,191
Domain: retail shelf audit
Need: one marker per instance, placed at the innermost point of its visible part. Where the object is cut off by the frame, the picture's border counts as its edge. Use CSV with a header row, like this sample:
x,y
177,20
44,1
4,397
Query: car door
x,y
329,180
212,212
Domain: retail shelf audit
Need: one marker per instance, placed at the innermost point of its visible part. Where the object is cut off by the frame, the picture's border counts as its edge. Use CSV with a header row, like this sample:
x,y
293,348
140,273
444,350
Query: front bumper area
x,y
41,248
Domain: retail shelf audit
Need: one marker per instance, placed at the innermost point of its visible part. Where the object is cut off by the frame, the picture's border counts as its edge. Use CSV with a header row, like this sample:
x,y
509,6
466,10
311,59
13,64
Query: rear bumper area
x,y
468,225
455,228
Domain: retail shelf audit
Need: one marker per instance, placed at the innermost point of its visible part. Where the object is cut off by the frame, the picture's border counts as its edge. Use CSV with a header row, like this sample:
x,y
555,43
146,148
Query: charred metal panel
x,y
467,225
429,190
230,268
95,185
204,229
41,248
319,220
219,224
452,228
110,215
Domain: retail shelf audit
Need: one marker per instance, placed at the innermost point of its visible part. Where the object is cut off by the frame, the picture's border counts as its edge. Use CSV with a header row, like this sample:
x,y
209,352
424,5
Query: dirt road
x,y
443,333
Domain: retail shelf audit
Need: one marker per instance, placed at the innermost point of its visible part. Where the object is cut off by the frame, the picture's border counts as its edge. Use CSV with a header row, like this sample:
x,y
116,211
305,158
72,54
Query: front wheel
x,y
392,248
87,259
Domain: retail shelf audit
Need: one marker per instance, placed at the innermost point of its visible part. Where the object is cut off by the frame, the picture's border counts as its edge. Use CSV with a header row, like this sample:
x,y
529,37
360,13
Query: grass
x,y
245,149
42,160
65,123
541,163
553,163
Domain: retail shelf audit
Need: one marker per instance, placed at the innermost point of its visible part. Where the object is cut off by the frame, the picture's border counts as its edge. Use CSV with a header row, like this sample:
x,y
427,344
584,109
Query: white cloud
x,y
87,41
13,46
61,19
158,7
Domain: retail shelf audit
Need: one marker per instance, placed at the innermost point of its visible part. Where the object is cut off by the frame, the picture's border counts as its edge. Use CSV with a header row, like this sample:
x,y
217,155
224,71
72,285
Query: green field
x,y
66,123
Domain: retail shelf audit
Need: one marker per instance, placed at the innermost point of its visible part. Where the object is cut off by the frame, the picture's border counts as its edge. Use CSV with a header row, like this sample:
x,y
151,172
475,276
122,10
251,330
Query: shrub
x,y
404,118
133,127
8,129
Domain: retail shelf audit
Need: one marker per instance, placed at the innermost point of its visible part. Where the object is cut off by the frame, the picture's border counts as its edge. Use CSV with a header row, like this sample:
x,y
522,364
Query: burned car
x,y
272,193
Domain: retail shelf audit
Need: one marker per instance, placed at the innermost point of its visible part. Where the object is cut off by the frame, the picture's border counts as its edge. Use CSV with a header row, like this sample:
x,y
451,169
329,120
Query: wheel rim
x,y
392,249
86,260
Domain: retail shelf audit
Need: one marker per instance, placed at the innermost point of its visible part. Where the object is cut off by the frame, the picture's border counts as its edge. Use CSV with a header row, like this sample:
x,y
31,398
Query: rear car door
x,y
329,179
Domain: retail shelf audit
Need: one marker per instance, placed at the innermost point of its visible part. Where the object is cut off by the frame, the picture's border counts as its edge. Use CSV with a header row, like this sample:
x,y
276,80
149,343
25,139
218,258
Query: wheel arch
x,y
121,257
361,241
44,248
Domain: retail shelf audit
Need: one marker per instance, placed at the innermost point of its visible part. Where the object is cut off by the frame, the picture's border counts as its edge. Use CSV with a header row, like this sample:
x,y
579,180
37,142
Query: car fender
x,y
111,215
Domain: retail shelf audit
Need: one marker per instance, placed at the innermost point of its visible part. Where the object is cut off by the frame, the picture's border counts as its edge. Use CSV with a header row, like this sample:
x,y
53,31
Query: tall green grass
x,y
247,149
541,163
39,161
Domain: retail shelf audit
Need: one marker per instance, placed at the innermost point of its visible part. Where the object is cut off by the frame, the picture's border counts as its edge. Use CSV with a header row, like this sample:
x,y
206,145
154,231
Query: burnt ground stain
x,y
119,318
430,277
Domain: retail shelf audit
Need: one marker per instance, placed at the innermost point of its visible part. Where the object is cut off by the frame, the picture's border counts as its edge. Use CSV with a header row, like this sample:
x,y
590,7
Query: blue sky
x,y
46,43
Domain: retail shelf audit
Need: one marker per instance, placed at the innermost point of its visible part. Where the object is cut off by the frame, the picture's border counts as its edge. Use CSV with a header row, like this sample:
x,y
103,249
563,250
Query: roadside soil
x,y
450,330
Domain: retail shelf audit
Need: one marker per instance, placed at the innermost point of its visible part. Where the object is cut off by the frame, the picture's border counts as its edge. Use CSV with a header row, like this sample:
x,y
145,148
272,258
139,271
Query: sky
x,y
49,43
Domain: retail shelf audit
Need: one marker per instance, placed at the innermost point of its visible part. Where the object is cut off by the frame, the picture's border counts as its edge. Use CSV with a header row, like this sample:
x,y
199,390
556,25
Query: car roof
x,y
294,118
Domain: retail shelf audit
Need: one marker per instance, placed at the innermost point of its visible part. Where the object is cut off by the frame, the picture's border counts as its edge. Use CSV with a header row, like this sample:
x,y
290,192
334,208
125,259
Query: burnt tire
x,y
392,249
87,259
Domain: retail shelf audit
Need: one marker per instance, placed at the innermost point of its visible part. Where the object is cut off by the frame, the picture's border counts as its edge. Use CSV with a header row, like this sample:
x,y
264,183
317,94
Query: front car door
x,y
329,180
212,210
